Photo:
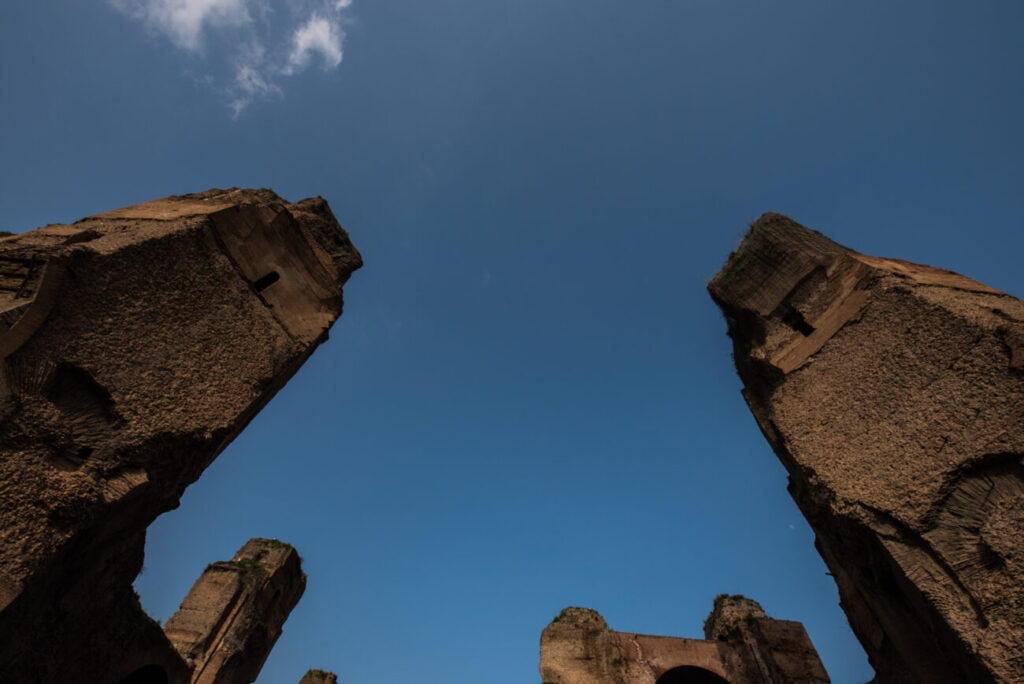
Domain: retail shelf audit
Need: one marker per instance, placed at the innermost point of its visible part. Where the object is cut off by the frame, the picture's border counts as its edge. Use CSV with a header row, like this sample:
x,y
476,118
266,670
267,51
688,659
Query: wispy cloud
x,y
318,35
183,21
248,46
253,80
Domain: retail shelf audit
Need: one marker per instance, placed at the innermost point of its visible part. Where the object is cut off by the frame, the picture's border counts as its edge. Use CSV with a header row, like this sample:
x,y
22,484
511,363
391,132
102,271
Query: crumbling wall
x,y
776,650
319,677
134,346
743,646
234,613
577,648
894,395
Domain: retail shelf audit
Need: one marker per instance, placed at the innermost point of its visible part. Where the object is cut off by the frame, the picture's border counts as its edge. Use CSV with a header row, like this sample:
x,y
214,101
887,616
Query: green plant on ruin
x,y
249,571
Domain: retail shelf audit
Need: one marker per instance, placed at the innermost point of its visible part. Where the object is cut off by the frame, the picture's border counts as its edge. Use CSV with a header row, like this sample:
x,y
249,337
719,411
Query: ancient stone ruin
x,y
319,677
742,645
893,393
135,345
234,613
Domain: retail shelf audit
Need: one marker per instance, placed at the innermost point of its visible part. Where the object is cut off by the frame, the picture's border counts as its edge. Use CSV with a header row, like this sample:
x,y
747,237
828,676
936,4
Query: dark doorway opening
x,y
688,674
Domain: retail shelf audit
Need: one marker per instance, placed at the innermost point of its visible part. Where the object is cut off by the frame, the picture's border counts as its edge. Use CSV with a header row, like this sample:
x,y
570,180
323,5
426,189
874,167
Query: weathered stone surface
x,y
730,614
748,648
894,395
135,345
780,650
234,613
319,677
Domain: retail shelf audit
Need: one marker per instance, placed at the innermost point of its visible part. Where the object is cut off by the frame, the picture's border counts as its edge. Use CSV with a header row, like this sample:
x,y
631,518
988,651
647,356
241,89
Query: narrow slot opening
x,y
266,281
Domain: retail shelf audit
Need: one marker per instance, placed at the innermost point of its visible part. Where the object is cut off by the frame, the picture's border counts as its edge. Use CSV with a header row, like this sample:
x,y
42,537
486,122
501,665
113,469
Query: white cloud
x,y
251,82
183,21
317,35
237,33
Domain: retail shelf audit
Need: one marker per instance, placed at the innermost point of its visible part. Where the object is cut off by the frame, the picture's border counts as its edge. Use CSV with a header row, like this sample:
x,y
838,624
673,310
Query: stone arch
x,y
690,674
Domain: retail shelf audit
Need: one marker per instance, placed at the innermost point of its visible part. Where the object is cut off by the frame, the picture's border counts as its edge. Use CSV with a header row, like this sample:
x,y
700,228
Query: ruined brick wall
x,y
743,646
234,613
894,395
319,677
134,346
775,650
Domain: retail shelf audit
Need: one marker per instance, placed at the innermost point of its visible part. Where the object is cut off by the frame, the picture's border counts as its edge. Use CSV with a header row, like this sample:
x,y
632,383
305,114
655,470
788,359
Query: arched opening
x,y
688,674
150,674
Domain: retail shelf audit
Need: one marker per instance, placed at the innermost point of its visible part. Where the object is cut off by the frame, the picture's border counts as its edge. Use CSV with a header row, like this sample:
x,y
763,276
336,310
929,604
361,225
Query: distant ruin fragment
x,y
233,615
319,677
742,645
893,393
134,346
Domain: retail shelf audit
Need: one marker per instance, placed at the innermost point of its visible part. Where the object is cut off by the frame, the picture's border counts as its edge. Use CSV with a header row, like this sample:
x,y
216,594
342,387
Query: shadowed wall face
x,y
134,346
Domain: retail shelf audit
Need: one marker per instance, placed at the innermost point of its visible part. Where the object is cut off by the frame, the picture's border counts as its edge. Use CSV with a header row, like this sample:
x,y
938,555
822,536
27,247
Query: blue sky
x,y
529,402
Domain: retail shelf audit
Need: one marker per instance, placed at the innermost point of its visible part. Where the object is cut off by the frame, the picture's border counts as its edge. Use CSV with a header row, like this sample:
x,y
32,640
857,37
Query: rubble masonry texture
x,y
135,345
893,393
